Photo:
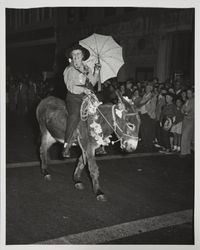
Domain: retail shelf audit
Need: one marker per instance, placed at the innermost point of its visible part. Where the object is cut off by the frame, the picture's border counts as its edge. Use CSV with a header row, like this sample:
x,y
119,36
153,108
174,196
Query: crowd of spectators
x,y
166,110
24,92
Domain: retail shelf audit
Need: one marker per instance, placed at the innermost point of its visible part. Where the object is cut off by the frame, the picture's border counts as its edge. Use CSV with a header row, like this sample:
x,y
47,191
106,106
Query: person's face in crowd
x,y
163,92
111,88
171,90
178,103
156,90
148,88
190,94
169,99
136,93
122,88
142,90
128,85
183,95
139,85
155,81
134,87
77,57
177,85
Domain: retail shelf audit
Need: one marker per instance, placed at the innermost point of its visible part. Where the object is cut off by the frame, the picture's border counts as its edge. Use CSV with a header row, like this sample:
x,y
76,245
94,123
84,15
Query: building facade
x,y
156,42
30,39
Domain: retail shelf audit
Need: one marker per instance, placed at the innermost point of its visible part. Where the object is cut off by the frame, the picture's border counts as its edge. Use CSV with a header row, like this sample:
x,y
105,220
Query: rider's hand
x,y
97,66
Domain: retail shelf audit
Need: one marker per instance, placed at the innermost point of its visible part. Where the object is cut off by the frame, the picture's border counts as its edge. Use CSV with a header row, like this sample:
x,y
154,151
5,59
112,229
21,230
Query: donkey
x,y
121,119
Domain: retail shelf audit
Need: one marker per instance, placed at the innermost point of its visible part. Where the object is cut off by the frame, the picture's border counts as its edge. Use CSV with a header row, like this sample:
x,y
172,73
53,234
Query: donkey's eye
x,y
131,126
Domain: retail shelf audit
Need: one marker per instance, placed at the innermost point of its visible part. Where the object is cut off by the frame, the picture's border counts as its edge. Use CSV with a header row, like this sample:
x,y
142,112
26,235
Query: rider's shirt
x,y
73,78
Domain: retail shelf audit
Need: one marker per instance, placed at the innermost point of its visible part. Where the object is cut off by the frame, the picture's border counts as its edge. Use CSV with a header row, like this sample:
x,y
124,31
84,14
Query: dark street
x,y
136,188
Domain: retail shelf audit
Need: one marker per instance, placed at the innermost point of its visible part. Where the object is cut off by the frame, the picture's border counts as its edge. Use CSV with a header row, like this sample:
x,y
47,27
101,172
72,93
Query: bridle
x,y
115,126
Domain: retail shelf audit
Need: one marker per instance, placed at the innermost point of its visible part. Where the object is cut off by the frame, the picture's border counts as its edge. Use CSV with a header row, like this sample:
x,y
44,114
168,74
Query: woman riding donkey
x,y
79,81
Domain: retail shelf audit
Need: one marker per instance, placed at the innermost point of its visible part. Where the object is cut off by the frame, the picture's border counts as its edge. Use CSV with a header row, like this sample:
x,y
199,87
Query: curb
x,y
99,158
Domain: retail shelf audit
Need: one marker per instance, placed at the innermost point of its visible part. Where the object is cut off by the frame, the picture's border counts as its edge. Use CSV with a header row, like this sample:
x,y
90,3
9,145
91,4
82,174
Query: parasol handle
x,y
99,81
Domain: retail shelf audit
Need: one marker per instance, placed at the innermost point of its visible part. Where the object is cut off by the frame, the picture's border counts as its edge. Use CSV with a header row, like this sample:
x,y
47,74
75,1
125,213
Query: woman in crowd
x,y
136,98
147,114
128,89
184,96
122,89
177,126
166,118
188,124
159,106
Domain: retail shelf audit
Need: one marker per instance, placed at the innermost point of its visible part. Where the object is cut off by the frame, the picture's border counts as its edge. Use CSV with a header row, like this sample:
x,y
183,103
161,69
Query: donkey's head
x,y
127,123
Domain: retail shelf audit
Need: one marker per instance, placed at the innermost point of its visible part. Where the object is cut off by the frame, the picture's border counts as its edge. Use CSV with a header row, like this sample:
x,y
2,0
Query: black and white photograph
x,y
100,145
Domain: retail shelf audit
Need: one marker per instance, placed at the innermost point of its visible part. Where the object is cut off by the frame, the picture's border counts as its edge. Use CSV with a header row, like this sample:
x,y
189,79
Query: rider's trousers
x,y
73,103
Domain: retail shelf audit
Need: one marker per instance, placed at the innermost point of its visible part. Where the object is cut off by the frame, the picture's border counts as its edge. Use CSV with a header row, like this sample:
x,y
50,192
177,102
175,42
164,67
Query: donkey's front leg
x,y
94,173
78,171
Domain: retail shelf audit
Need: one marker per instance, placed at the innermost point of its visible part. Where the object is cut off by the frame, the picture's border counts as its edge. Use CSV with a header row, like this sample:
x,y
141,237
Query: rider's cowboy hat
x,y
85,52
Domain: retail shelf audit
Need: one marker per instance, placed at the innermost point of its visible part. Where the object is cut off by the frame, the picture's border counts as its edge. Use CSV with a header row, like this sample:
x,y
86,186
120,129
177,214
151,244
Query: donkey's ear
x,y
120,105
119,95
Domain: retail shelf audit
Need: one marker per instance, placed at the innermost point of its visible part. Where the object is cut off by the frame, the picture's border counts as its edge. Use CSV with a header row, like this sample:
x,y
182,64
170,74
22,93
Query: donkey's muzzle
x,y
130,145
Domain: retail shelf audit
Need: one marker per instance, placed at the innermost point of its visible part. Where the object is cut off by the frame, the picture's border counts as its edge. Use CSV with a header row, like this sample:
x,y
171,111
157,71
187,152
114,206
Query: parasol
x,y
103,50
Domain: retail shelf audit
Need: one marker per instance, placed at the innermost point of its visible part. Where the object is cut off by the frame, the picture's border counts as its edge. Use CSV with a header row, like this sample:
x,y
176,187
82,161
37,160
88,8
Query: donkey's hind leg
x,y
46,142
78,171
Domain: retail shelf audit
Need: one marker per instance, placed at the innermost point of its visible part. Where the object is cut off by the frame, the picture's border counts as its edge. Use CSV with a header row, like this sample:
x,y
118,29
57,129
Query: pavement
x,y
156,193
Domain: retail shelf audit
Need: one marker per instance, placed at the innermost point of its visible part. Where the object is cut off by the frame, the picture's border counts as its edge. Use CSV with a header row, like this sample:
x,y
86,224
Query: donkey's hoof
x,y
101,197
47,177
79,186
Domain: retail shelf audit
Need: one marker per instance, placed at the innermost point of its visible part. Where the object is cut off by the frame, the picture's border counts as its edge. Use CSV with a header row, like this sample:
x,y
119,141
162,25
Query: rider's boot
x,y
66,152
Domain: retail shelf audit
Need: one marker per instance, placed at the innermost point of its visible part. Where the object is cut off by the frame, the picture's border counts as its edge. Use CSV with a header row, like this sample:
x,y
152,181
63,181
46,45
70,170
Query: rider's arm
x,y
93,78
